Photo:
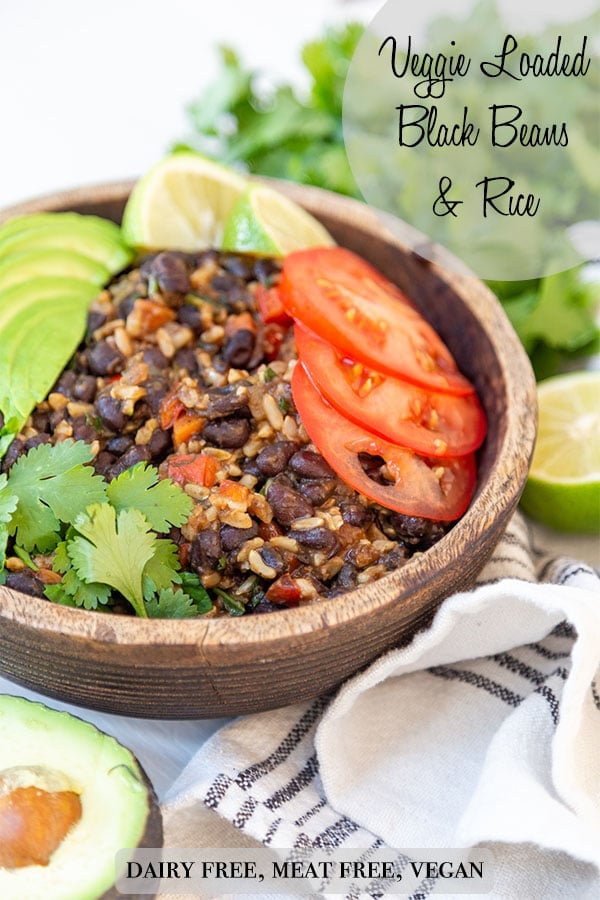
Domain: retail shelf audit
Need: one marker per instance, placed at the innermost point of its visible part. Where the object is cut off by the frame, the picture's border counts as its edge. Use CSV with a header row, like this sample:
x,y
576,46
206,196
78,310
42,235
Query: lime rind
x,y
563,488
268,223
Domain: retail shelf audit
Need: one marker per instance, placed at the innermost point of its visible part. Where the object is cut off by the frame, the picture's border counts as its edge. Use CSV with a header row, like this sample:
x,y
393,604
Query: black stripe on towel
x,y
479,681
217,790
510,662
249,776
295,785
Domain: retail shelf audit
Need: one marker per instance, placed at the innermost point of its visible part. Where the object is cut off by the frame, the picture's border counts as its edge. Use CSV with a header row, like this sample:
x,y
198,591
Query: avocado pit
x,y
38,808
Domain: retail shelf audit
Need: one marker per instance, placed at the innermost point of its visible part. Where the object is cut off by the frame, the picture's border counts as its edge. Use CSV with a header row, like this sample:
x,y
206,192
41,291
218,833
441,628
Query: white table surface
x,y
93,92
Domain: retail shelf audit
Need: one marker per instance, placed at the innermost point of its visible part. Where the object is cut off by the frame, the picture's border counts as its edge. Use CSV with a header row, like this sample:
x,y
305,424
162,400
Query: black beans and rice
x,y
181,332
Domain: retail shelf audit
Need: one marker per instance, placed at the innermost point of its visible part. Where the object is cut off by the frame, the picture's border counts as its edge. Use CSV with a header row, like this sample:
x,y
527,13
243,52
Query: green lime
x,y
265,222
182,203
563,488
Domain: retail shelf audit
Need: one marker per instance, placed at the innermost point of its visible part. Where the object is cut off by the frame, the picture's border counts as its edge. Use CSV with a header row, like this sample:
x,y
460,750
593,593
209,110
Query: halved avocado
x,y
52,760
97,238
20,267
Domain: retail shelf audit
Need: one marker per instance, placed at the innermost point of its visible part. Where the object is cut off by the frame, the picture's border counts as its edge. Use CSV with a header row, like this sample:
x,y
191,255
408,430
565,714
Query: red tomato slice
x,y
269,305
426,421
345,301
429,488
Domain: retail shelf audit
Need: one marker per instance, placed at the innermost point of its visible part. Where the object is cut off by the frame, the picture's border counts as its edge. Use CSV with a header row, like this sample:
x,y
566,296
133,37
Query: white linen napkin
x,y
485,730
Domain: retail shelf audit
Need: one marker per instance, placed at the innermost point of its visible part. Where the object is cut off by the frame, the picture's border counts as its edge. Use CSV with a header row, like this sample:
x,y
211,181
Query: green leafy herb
x,y
8,504
233,606
171,604
192,585
269,375
162,568
26,558
163,503
52,484
114,548
283,405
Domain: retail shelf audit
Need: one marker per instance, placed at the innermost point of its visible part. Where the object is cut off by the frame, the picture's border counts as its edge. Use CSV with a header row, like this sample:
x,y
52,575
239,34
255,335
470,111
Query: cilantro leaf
x,y
163,503
171,604
113,548
89,596
161,570
192,585
53,485
8,504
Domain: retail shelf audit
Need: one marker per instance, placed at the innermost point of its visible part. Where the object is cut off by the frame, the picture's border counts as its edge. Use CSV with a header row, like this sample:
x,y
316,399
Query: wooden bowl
x,y
227,666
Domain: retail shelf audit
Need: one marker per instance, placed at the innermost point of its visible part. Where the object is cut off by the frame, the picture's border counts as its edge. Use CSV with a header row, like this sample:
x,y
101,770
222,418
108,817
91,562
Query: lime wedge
x,y
182,203
265,222
563,488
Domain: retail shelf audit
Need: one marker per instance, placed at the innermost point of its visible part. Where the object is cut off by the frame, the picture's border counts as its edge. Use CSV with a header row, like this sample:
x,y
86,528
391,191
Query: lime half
x,y
265,222
563,488
182,203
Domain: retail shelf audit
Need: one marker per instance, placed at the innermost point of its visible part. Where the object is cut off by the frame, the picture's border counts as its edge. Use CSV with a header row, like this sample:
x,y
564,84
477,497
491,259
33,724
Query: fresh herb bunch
x,y
285,135
107,539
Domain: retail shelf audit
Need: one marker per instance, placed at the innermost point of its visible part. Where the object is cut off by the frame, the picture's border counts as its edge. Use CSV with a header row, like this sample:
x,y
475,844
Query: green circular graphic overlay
x,y
481,130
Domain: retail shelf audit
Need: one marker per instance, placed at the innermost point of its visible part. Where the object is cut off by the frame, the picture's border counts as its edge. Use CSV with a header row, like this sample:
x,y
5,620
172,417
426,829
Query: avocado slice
x,y
60,755
97,238
30,363
20,267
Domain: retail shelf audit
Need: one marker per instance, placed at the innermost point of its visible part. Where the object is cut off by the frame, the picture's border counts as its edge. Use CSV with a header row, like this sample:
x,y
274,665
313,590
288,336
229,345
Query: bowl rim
x,y
492,503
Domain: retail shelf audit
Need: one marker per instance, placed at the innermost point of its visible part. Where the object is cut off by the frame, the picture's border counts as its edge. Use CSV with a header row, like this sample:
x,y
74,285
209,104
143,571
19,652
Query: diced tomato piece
x,y
427,487
284,591
171,408
270,307
272,340
194,468
146,316
345,301
185,427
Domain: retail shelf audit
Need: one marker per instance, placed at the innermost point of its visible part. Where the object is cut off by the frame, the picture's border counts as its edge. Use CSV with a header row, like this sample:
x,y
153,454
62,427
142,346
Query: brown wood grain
x,y
221,667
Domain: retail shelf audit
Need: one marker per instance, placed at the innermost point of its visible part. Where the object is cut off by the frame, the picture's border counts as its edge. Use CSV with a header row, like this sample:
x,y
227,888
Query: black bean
x,y
224,282
130,458
346,577
356,514
226,402
309,464
233,538
103,359
25,582
395,558
36,440
249,467
110,412
84,388
159,443
119,444
156,389
15,450
238,350
318,490
271,557
287,504
319,538
95,320
56,416
153,357
103,462
264,269
126,305
170,271
83,431
65,383
410,529
239,266
40,421
205,550
189,315
372,465
186,359
229,433
274,458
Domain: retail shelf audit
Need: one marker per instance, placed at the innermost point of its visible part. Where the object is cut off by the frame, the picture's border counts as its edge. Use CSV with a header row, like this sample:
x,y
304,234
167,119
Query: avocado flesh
x,y
119,808
21,267
29,362
80,235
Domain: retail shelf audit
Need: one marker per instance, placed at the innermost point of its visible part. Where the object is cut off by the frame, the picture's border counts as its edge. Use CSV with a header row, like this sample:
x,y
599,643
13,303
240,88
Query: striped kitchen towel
x,y
484,731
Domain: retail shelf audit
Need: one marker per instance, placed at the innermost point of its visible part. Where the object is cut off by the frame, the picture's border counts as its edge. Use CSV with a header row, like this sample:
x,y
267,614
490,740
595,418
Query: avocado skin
x,y
153,836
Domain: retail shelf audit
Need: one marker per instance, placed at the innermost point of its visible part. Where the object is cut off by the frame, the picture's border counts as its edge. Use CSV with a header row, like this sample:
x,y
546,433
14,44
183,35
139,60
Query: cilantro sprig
x,y
105,538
